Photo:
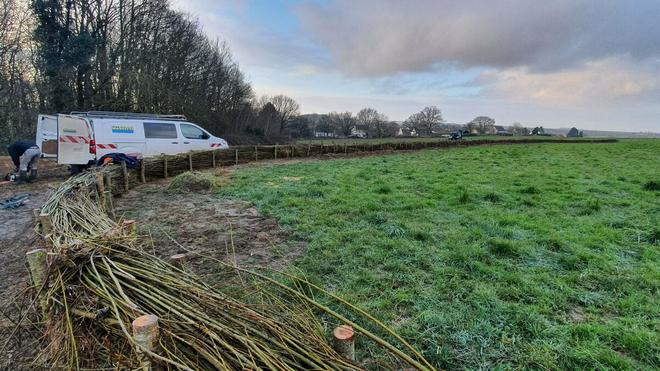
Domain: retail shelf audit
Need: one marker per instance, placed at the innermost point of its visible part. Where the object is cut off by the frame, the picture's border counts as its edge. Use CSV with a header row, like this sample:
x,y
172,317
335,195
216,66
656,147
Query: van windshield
x,y
193,132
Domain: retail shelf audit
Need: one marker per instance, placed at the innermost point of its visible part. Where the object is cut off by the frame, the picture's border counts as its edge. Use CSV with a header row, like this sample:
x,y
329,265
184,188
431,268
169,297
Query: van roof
x,y
127,115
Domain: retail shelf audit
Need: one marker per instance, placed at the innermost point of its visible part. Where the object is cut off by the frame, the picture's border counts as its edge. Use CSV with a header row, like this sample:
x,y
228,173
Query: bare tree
x,y
343,122
518,129
373,121
426,121
287,109
324,126
482,124
17,94
136,55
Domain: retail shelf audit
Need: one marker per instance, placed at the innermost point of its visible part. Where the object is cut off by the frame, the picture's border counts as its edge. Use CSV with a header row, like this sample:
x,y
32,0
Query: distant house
x,y
405,132
501,130
358,133
323,134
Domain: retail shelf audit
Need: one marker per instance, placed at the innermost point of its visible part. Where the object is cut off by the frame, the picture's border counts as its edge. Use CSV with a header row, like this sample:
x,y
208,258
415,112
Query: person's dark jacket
x,y
17,149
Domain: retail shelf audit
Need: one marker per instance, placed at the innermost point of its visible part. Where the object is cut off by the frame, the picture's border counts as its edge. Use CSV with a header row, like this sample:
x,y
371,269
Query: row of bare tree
x,y
371,123
122,55
17,94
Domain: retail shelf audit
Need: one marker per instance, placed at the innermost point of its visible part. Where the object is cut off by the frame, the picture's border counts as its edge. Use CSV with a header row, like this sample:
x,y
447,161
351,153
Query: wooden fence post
x,y
100,188
213,158
38,263
124,173
145,333
129,227
309,147
143,171
275,152
107,195
344,341
164,166
178,260
46,225
190,167
256,153
236,154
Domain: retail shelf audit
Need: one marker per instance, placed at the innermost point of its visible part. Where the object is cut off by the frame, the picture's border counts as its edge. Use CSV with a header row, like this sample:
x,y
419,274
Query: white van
x,y
80,138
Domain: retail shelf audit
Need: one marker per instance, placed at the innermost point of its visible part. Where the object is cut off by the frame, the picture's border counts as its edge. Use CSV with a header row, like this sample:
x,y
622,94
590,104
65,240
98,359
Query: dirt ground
x,y
17,237
229,230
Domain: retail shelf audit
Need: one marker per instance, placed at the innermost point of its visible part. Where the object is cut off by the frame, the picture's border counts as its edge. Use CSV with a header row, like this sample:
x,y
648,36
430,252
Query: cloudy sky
x,y
594,64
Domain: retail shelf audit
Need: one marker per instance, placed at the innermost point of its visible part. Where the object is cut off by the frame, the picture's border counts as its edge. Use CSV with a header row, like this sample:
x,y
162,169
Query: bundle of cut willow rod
x,y
102,280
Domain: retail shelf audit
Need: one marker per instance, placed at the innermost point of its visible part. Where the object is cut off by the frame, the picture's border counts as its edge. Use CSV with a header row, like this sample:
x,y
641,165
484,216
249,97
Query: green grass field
x,y
517,256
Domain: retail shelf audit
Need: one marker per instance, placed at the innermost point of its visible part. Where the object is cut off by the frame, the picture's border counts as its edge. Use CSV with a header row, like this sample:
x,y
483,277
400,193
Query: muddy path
x,y
230,230
17,237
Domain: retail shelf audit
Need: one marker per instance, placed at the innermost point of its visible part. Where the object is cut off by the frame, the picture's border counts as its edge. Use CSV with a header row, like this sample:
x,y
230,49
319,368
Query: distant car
x,y
80,138
456,136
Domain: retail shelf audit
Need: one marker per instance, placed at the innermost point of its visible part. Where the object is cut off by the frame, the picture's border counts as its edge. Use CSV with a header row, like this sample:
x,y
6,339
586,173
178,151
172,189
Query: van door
x,y
161,138
194,138
73,140
46,138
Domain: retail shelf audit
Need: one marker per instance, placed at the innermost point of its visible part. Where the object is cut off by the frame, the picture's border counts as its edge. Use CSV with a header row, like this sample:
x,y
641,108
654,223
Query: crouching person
x,y
25,156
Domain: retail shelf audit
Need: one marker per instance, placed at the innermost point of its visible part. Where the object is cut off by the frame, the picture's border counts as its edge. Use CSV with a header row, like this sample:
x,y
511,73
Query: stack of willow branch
x,y
101,279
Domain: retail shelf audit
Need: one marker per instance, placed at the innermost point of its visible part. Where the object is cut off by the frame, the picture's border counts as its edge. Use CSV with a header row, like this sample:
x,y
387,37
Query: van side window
x,y
159,130
193,132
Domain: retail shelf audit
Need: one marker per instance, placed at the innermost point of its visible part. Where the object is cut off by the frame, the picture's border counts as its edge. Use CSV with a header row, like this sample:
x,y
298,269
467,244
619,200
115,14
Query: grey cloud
x,y
254,44
385,37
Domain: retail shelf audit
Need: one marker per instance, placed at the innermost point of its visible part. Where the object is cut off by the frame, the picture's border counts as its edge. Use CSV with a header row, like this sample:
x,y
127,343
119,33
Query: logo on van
x,y
122,129
69,131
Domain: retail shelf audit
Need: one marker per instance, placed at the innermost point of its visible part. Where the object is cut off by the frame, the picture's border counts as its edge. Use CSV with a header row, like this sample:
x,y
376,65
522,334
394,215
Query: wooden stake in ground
x,y
46,226
275,152
143,171
190,161
100,187
256,153
164,166
236,154
107,195
145,333
344,341
129,226
38,263
213,158
178,260
124,173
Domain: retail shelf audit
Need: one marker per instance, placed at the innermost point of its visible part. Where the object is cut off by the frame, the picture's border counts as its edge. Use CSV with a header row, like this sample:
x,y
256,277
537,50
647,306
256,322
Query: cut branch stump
x,y
38,263
145,334
344,341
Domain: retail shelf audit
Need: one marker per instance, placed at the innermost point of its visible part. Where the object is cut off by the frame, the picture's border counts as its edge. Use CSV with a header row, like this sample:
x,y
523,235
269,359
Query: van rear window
x,y
159,130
